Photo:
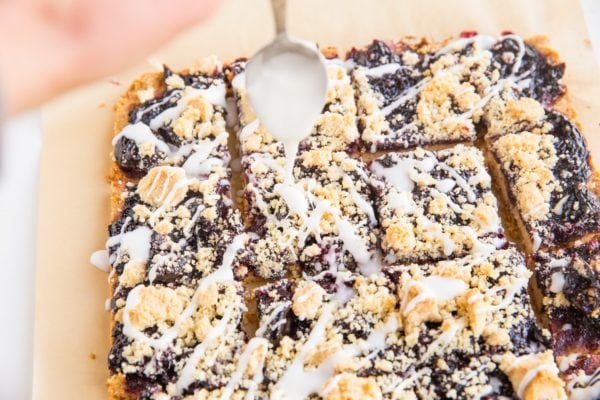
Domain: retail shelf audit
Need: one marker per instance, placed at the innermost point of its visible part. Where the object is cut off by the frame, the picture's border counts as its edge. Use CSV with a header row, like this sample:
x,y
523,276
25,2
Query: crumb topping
x,y
532,157
437,94
163,186
534,376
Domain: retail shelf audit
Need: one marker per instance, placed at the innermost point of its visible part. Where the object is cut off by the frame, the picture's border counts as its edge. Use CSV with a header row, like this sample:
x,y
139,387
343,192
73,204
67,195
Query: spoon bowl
x,y
286,83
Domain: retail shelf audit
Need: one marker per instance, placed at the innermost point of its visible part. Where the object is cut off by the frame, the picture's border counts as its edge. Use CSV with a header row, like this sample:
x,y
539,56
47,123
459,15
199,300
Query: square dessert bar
x,y
569,282
322,218
335,129
545,170
414,93
322,338
469,331
455,329
171,119
435,205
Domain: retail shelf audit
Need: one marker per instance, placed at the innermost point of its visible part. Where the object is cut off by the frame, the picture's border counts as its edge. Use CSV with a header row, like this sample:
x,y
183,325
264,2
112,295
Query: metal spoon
x,y
286,83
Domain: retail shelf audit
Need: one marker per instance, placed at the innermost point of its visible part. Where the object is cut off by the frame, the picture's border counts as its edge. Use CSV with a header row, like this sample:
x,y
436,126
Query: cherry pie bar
x,y
350,275
569,282
543,164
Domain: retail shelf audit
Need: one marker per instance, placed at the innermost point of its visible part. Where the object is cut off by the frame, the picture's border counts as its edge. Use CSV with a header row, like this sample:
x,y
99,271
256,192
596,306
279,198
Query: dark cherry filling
x,y
581,336
404,115
131,162
327,282
589,364
355,326
162,365
169,263
148,110
377,53
570,147
545,78
115,355
580,211
423,196
527,337
575,327
443,380
125,220
391,86
583,289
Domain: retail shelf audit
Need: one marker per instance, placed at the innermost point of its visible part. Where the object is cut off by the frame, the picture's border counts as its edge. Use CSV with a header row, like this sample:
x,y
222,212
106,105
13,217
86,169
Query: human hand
x,y
48,46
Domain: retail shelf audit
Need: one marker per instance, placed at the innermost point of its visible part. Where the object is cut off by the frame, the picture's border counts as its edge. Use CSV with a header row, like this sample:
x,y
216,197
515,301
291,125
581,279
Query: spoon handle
x,y
279,7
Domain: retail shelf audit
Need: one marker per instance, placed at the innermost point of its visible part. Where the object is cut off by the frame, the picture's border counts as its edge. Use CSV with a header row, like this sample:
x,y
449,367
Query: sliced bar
x,y
321,218
541,160
569,282
435,205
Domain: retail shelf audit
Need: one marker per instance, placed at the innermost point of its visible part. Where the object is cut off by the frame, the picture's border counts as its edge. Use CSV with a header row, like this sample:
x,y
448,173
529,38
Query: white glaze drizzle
x,y
215,94
530,374
537,241
255,344
141,133
384,69
397,387
557,282
445,337
406,172
186,377
199,164
301,200
435,287
584,387
292,382
558,208
135,242
167,196
515,287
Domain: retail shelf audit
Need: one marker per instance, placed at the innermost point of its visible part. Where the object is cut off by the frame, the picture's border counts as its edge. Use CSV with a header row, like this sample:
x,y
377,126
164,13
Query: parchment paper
x,y
71,326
